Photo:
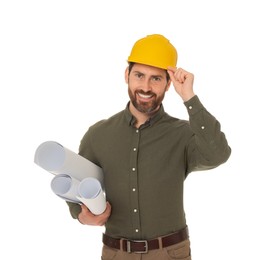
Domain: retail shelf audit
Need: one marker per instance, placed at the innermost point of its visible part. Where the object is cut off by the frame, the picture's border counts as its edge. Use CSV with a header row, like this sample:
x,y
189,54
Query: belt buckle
x,y
146,246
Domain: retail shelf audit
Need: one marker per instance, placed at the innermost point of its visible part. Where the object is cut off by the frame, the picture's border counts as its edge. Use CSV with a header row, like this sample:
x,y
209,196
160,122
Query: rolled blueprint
x,y
66,187
56,159
91,194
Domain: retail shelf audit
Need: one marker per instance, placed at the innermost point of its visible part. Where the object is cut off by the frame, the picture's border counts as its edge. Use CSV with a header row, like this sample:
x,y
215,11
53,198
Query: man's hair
x,y
131,64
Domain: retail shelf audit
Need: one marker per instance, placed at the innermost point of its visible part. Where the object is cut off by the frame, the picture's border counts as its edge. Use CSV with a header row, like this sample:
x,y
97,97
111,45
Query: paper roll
x,y
91,194
66,187
56,159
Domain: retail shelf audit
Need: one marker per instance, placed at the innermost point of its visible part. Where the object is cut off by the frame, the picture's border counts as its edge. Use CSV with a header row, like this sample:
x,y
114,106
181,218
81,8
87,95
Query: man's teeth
x,y
144,96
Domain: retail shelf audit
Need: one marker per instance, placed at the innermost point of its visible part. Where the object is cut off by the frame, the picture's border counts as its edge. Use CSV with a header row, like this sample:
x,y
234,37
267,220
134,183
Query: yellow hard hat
x,y
154,50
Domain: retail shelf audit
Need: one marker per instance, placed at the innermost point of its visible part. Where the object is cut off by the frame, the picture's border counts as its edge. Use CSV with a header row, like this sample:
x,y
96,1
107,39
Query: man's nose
x,y
146,85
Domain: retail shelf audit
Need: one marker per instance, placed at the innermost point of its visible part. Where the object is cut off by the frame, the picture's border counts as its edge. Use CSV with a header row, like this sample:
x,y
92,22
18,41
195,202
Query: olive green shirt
x,y
144,169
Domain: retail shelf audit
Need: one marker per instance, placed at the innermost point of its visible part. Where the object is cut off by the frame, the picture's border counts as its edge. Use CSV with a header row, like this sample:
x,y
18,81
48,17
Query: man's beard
x,y
145,107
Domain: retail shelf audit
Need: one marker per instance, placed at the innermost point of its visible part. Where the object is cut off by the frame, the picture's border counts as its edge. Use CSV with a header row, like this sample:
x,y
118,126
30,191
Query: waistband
x,y
143,246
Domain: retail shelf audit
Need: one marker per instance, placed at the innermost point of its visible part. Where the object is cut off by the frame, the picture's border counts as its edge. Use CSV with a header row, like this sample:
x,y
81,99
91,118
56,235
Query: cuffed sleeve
x,y
74,208
208,147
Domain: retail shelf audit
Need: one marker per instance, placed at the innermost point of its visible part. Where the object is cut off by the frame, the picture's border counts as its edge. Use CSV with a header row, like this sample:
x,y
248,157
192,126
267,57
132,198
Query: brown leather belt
x,y
143,246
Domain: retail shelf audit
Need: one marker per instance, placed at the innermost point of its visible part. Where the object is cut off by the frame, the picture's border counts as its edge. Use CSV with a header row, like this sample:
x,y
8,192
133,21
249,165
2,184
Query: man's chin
x,y
146,109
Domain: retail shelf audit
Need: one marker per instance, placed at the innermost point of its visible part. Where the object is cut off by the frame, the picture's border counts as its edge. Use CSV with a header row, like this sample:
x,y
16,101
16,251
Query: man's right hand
x,y
86,217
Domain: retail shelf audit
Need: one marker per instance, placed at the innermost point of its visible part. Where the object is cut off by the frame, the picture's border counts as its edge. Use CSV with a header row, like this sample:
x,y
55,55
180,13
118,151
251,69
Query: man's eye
x,y
156,78
138,75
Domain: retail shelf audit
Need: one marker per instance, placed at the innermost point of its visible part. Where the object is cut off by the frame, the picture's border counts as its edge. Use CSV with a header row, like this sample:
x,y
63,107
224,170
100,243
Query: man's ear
x,y
168,85
126,74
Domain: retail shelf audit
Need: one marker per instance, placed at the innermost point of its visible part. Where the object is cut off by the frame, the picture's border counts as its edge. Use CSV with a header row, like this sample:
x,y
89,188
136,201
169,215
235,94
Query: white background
x,y
62,69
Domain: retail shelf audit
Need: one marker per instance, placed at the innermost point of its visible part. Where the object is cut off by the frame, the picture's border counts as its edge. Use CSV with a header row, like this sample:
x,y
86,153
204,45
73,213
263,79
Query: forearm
x,y
74,208
210,147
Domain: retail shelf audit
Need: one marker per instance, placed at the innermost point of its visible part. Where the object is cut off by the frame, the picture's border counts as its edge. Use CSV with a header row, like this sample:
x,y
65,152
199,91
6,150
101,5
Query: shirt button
x,y
190,107
137,131
134,149
133,169
133,189
135,210
203,127
136,230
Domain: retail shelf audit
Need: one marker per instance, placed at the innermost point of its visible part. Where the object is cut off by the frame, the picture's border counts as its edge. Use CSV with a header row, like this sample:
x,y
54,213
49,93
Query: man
x,y
146,155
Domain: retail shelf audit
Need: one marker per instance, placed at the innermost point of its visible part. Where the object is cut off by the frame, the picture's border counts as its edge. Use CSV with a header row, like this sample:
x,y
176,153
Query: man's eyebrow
x,y
137,71
157,75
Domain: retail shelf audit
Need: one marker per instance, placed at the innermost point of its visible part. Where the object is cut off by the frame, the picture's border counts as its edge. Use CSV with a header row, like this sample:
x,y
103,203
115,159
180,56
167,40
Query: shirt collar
x,y
131,119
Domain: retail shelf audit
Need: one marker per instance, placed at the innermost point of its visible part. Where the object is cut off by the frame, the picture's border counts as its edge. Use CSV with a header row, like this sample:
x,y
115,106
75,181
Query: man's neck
x,y
140,117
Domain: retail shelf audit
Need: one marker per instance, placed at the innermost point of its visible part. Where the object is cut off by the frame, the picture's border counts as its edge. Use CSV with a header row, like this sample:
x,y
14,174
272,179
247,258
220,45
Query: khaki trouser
x,y
180,251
